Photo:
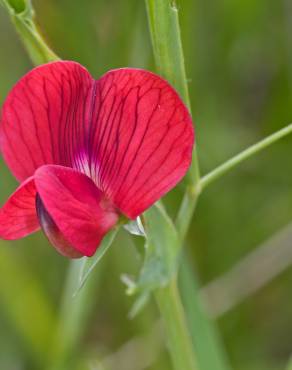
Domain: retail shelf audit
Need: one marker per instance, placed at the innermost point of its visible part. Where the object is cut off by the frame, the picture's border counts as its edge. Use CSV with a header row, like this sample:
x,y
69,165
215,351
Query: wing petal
x,y
77,215
18,216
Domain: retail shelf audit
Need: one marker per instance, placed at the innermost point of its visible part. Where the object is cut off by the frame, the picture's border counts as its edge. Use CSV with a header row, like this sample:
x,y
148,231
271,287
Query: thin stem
x,y
169,58
179,341
186,210
22,16
168,52
247,153
37,49
189,202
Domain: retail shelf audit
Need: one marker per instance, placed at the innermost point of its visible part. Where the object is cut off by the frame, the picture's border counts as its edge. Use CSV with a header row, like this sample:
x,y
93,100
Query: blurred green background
x,y
239,65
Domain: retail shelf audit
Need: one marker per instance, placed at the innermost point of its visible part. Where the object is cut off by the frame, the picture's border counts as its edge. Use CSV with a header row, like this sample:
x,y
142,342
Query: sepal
x,y
162,250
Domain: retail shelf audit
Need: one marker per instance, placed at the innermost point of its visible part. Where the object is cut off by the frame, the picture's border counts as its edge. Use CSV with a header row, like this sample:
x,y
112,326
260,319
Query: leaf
x,y
135,227
139,304
89,263
161,251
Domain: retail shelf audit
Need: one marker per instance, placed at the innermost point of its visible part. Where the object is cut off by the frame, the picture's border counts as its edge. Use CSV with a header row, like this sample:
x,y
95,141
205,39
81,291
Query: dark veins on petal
x,y
128,131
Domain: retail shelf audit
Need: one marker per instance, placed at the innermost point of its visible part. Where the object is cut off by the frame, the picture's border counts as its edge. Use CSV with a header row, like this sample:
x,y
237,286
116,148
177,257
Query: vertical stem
x,y
179,341
168,52
186,210
167,47
169,58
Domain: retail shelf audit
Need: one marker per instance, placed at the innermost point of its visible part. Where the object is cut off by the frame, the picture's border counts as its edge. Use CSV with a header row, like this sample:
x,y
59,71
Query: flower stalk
x,y
242,156
169,58
168,53
179,341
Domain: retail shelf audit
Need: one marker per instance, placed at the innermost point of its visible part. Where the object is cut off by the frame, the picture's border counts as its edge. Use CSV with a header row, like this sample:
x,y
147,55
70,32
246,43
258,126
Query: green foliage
x,y
17,6
89,263
161,252
22,15
238,59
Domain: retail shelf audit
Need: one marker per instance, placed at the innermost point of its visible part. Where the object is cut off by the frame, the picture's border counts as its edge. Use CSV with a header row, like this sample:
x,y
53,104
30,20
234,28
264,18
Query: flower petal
x,y
129,131
77,207
142,143
53,233
18,216
43,117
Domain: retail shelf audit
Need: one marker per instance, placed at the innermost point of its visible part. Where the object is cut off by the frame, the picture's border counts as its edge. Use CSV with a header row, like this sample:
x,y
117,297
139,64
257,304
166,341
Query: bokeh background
x,y
239,65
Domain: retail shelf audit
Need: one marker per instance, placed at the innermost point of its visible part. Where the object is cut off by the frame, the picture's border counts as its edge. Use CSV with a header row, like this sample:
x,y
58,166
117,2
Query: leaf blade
x,y
91,262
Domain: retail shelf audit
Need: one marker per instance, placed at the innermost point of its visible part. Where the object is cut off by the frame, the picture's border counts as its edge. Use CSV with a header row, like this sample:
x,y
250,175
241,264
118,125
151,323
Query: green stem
x,y
179,341
22,16
168,52
189,202
247,153
186,210
169,58
37,49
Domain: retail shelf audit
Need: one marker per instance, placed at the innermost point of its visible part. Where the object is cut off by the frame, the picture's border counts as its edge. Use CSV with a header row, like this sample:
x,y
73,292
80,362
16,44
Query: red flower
x,y
86,151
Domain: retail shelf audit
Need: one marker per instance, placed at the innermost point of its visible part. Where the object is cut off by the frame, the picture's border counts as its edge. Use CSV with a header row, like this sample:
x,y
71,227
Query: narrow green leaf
x,y
204,333
139,304
161,251
169,57
90,263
